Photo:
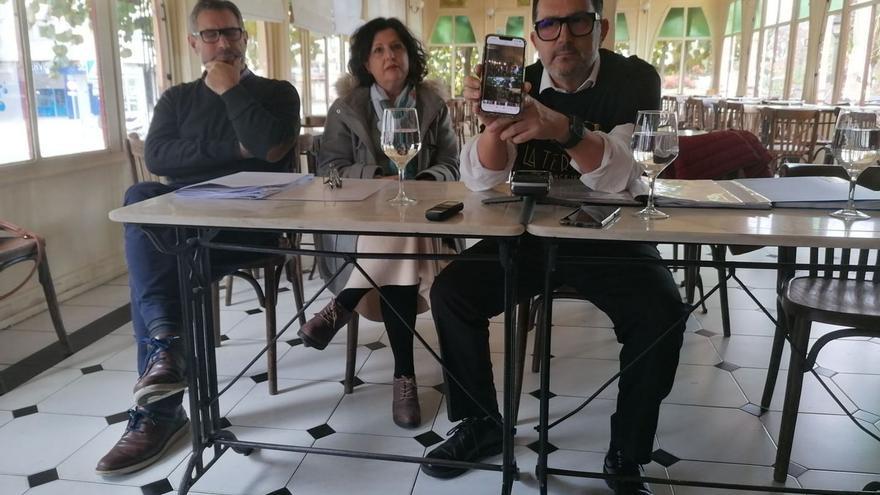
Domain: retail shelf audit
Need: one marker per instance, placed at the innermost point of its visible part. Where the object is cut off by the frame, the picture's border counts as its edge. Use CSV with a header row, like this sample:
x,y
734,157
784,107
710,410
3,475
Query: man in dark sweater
x,y
576,122
230,120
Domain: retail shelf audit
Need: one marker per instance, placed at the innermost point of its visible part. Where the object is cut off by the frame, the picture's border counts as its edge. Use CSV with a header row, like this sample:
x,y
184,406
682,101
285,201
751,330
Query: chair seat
x,y
835,301
12,248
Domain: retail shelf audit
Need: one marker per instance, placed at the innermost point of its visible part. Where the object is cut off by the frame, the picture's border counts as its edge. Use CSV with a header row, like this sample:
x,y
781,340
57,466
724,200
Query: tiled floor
x,y
54,428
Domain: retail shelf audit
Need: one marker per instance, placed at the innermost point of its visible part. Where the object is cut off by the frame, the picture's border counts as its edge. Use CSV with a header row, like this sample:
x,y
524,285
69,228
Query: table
x,y
197,221
786,228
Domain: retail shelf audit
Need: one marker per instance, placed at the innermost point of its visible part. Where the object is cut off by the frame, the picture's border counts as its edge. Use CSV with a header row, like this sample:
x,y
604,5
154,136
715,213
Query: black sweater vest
x,y
623,87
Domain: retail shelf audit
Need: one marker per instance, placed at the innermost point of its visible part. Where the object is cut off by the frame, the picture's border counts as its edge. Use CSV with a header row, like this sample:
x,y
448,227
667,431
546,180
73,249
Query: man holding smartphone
x,y
576,121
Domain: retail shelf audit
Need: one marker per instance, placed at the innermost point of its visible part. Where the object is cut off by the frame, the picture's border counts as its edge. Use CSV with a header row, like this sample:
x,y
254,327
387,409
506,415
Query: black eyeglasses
x,y
213,35
580,24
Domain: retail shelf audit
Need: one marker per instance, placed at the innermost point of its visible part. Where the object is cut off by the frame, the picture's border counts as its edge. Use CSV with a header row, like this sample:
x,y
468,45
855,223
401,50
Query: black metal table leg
x,y
508,461
550,248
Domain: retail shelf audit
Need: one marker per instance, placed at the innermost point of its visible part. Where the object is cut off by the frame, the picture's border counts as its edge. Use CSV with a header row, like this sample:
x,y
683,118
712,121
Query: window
x,y
14,113
452,51
64,110
860,62
683,52
297,75
515,26
731,50
621,35
316,63
828,52
254,56
137,56
783,29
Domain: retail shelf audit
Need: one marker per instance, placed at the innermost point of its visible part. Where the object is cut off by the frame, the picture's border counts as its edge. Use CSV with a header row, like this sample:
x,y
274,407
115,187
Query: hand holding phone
x,y
503,78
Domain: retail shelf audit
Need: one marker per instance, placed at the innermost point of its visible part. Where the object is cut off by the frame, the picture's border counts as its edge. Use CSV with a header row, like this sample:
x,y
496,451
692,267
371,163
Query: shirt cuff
x,y
475,176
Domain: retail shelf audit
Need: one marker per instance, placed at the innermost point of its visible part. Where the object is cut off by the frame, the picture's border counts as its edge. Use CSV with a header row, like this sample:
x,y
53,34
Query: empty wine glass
x,y
654,145
855,145
400,142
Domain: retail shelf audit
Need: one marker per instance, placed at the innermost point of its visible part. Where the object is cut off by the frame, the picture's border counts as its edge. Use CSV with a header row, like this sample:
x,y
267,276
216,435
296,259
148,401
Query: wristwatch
x,y
576,132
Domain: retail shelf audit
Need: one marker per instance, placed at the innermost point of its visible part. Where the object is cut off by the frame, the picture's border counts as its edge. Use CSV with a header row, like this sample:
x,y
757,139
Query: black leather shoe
x,y
472,440
146,439
616,464
165,374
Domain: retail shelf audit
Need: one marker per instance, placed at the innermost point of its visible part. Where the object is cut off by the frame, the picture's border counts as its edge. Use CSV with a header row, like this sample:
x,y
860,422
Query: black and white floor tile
x,y
55,427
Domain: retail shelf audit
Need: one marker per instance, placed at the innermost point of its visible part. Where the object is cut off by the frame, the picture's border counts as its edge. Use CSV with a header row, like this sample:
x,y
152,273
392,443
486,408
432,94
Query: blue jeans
x,y
153,279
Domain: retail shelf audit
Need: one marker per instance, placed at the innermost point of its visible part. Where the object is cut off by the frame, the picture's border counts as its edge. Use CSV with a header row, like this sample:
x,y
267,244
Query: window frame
x,y
793,23
845,33
453,47
684,39
105,27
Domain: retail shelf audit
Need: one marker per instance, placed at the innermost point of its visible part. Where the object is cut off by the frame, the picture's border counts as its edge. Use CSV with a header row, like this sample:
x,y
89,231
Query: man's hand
x,y
220,77
535,121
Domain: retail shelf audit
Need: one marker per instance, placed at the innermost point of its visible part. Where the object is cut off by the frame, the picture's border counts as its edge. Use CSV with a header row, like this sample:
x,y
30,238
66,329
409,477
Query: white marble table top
x,y
777,227
373,215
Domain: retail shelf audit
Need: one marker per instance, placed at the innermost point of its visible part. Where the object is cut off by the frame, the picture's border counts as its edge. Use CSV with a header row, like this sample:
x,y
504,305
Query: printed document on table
x,y
245,185
351,190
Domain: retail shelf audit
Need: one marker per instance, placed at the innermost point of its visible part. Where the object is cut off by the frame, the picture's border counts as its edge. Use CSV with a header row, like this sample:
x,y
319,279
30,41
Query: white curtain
x,y
263,10
327,18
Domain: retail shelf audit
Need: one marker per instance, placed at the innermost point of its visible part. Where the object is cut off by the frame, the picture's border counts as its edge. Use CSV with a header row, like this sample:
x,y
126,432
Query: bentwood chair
x,y
845,292
29,247
271,265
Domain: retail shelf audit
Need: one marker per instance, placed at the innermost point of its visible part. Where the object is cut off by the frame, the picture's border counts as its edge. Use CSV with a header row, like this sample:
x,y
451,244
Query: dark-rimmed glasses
x,y
579,24
213,35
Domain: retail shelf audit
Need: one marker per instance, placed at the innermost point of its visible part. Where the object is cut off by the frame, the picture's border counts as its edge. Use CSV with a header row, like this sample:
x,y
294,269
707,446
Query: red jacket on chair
x,y
725,154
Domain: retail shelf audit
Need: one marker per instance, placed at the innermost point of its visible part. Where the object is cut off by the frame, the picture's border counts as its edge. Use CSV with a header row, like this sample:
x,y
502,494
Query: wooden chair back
x,y
669,104
789,135
134,147
853,264
729,115
694,115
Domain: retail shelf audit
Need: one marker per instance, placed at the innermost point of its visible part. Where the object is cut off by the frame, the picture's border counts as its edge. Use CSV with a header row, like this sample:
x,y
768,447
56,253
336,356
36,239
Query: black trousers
x,y
641,299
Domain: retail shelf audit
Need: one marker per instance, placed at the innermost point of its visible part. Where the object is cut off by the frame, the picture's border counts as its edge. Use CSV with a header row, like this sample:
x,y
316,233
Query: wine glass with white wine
x,y
654,145
855,144
400,142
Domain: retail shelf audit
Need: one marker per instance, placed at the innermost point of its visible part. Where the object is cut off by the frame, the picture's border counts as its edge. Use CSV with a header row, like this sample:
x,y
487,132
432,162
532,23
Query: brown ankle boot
x,y
405,406
319,331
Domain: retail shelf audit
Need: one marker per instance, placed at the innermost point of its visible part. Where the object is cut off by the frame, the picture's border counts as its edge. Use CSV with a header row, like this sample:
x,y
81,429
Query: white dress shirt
x,y
617,172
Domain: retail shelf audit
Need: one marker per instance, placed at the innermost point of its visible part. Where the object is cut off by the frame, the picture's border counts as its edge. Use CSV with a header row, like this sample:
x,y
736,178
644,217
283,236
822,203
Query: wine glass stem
x,y
850,204
400,172
651,194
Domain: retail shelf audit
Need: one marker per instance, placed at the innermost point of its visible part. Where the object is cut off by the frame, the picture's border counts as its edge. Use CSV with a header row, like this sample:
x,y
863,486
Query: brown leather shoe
x,y
405,406
145,440
165,372
319,331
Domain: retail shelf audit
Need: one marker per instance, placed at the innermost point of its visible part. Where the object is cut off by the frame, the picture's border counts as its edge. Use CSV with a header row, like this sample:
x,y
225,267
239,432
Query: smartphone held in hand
x,y
503,75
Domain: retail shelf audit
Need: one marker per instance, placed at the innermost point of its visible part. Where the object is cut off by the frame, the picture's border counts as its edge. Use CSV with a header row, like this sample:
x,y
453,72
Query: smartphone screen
x,y
591,216
503,74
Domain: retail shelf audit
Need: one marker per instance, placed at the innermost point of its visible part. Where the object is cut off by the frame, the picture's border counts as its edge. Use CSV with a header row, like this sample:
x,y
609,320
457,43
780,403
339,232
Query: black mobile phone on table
x,y
591,216
444,210
504,62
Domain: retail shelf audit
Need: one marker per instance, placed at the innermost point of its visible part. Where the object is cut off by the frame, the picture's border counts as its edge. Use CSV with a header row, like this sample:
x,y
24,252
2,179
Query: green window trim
x,y
464,33
515,26
621,28
734,18
804,10
673,25
442,34
697,26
